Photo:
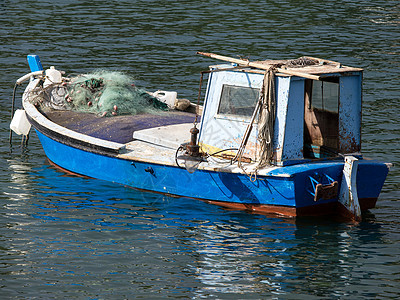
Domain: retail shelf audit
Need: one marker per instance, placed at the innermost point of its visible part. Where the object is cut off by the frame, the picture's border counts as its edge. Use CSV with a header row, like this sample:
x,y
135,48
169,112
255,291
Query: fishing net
x,y
110,93
102,92
301,62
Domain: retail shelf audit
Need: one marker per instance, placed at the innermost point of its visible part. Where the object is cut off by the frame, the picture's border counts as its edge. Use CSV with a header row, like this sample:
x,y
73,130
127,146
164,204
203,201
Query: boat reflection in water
x,y
170,243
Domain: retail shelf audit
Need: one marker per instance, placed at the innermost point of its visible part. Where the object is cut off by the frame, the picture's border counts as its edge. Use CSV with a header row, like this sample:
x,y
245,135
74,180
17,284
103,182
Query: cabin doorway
x,y
321,117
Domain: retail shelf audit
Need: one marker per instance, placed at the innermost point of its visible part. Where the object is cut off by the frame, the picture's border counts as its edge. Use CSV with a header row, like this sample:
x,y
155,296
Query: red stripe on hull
x,y
68,172
332,208
316,210
367,203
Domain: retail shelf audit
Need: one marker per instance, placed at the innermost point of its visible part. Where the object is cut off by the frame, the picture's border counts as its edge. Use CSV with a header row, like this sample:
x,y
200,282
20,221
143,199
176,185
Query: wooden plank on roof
x,y
326,69
259,65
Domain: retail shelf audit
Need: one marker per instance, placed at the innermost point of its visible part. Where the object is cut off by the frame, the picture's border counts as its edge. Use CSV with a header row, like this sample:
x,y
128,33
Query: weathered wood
x,y
337,64
299,74
258,65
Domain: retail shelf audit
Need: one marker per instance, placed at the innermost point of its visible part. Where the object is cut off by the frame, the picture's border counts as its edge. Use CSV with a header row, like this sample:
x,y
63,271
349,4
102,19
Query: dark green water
x,y
67,237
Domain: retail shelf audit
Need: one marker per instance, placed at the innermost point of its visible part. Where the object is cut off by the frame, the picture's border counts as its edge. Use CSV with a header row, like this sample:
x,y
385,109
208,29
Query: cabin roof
x,y
309,65
305,66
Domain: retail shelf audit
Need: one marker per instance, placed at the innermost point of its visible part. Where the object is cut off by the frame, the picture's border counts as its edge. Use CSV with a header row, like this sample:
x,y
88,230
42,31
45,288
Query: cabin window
x,y
237,100
324,95
321,117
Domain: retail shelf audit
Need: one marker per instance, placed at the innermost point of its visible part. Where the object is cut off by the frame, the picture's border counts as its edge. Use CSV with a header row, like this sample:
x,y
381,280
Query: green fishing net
x,y
109,93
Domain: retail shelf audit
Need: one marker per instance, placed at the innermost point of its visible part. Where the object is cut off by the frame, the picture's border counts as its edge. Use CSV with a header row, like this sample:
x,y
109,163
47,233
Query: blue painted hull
x,y
288,189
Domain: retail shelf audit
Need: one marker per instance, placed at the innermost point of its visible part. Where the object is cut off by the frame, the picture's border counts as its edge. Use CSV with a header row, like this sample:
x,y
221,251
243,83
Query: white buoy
x,y
20,124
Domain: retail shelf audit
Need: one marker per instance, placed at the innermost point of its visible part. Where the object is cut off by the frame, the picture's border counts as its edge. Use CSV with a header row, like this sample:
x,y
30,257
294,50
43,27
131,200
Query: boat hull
x,y
287,191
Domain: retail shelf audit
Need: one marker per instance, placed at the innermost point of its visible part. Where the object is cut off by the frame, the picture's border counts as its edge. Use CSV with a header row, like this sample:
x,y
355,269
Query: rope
x,y
266,120
266,108
12,111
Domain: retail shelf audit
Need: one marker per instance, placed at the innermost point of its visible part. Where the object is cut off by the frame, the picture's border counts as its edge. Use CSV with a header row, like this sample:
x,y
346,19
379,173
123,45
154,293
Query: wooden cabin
x,y
318,110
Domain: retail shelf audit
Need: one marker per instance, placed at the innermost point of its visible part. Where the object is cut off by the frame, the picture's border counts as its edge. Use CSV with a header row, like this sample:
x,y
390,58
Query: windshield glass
x,y
237,100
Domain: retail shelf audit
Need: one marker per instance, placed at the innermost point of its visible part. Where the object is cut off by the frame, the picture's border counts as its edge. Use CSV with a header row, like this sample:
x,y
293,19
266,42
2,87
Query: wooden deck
x,y
117,129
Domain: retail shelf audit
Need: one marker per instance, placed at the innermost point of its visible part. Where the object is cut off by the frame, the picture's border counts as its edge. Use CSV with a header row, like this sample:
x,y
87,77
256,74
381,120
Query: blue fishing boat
x,y
272,136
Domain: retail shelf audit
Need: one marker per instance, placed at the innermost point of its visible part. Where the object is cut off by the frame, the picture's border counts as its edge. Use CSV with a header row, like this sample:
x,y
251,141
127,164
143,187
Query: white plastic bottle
x,y
168,98
52,76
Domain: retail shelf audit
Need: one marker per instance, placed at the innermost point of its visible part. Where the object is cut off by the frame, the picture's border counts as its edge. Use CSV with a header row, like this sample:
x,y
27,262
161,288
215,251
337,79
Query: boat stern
x,y
371,176
350,186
